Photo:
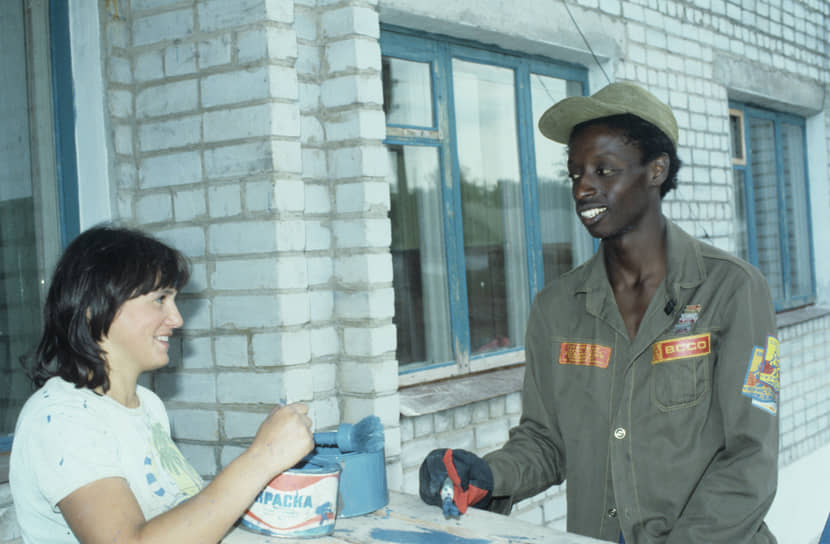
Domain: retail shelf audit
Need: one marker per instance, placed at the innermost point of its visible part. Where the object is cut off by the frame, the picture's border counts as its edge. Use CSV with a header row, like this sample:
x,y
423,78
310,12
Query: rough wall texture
x,y
249,134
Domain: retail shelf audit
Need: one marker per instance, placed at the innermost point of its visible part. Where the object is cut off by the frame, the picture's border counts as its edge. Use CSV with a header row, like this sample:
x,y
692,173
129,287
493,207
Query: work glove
x,y
455,480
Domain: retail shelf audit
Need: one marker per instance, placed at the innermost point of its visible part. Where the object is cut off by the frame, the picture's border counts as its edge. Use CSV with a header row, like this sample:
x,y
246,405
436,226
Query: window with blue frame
x,y
38,183
769,158
481,206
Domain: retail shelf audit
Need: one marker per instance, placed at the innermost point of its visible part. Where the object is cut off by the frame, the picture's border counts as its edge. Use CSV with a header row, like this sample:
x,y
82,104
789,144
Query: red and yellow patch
x,y
762,381
571,353
681,348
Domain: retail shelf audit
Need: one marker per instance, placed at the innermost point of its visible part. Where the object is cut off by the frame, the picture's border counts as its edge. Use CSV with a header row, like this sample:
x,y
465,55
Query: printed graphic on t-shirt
x,y
762,380
167,473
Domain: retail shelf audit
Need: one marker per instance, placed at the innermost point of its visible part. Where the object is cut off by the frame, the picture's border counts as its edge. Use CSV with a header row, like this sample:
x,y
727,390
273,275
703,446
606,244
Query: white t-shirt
x,y
66,438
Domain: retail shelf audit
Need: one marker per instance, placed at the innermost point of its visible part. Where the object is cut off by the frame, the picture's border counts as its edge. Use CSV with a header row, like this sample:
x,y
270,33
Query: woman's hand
x,y
106,510
283,438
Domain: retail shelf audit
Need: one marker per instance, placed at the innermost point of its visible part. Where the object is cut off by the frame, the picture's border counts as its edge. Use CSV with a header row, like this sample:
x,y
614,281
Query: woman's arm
x,y
106,510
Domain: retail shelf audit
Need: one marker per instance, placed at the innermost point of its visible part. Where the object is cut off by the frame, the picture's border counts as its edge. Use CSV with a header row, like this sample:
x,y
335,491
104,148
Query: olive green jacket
x,y
669,438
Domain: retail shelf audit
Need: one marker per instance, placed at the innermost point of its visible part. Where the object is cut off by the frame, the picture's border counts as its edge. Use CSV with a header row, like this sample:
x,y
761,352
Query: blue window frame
x,y
38,188
769,156
481,209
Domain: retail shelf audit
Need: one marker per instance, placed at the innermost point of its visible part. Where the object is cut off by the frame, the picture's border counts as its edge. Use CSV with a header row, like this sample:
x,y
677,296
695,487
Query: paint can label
x,y
295,504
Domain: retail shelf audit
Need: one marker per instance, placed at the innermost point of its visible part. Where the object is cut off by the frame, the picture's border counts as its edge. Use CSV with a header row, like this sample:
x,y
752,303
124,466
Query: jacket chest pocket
x,y
681,383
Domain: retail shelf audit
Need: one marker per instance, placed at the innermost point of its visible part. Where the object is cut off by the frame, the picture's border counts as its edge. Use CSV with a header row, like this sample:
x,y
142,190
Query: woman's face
x,y
138,338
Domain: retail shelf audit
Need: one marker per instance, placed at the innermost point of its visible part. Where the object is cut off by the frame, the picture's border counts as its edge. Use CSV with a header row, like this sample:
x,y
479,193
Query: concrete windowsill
x,y
800,315
434,397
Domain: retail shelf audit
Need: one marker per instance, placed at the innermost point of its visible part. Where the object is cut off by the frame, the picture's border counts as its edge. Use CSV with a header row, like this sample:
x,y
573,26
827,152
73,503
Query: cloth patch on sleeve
x,y
762,380
681,348
571,353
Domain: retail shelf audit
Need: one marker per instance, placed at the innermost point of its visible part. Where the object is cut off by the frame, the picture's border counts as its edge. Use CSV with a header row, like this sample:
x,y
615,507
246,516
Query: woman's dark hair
x,y
652,142
101,269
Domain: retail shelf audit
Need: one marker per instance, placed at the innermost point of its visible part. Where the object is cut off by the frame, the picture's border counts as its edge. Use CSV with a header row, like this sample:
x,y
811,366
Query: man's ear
x,y
659,169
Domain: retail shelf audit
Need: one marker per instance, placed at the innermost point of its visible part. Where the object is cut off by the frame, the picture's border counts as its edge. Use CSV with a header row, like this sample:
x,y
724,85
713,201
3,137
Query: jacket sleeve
x,y
533,457
736,490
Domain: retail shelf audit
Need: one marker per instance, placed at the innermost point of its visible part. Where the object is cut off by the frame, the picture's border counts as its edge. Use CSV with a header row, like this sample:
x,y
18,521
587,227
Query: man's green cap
x,y
614,99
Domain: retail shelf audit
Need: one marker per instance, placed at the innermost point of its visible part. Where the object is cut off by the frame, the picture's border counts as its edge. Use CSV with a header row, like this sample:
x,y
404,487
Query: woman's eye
x,y
602,171
574,177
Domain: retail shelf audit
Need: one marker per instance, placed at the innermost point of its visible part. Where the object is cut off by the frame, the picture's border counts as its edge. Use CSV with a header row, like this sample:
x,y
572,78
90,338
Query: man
x,y
651,379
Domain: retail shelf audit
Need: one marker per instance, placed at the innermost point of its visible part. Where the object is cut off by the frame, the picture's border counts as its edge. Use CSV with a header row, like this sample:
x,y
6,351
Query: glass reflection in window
x,y
491,205
418,256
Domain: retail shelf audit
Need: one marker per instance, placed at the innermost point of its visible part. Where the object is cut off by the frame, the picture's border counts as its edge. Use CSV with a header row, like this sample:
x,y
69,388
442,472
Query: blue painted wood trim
x,y
439,51
6,442
63,97
790,300
454,223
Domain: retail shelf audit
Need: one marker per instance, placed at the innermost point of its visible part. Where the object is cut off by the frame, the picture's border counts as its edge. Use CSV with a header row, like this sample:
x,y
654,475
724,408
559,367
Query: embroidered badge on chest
x,y
762,380
571,353
687,319
681,348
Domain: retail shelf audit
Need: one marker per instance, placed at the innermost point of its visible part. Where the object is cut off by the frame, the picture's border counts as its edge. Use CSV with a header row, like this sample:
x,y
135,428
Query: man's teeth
x,y
593,212
163,338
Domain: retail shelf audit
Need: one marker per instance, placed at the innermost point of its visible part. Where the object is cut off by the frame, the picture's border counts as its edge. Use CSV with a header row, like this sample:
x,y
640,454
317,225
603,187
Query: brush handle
x,y
342,437
326,438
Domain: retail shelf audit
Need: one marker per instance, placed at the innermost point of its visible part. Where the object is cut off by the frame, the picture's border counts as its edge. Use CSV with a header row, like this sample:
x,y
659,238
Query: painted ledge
x,y
430,398
800,315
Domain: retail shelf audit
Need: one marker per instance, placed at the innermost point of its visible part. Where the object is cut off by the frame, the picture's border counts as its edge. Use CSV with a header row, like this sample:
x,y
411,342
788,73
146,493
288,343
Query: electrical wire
x,y
584,39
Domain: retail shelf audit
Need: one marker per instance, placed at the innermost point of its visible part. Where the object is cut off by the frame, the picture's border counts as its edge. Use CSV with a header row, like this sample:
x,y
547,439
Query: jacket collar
x,y
684,270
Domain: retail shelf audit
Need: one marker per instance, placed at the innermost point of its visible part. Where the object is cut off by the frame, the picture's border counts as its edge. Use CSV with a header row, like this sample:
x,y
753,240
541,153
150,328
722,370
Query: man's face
x,y
612,190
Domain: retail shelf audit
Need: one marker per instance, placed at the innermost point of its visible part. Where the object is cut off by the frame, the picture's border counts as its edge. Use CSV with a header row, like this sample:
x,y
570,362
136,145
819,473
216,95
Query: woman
x,y
92,459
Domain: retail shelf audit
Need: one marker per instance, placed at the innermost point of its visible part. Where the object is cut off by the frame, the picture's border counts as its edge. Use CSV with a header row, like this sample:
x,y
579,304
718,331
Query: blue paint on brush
x,y
429,536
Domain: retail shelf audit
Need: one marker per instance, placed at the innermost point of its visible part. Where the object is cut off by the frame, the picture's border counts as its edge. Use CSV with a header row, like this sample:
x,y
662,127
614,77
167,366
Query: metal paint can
x,y
362,480
299,503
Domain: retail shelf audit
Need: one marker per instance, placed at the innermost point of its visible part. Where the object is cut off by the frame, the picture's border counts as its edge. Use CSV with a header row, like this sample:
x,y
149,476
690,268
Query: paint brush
x,y
365,435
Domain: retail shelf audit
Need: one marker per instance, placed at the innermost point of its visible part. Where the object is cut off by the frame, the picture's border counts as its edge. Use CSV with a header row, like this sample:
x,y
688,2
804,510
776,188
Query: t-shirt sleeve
x,y
73,448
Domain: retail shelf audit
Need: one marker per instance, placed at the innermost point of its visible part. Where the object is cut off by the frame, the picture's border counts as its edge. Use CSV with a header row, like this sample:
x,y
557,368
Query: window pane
x,y
736,138
28,223
741,237
418,256
798,233
565,242
407,92
491,205
764,185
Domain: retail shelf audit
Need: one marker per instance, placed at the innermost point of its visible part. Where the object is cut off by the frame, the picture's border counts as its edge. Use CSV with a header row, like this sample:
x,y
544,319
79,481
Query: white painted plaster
x,y
94,202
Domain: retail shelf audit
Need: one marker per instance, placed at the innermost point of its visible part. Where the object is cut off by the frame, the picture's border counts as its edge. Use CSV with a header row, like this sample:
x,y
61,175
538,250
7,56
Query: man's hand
x,y
471,477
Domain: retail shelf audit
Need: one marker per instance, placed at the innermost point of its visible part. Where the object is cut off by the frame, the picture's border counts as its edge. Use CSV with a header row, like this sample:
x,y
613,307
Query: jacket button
x,y
619,433
612,512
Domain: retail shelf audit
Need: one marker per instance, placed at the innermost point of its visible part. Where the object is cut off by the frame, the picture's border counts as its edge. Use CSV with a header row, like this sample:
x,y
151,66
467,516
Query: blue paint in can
x,y
362,480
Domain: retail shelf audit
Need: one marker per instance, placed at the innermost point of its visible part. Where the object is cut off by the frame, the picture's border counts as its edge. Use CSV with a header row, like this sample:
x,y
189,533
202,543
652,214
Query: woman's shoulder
x,y
57,395
151,402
